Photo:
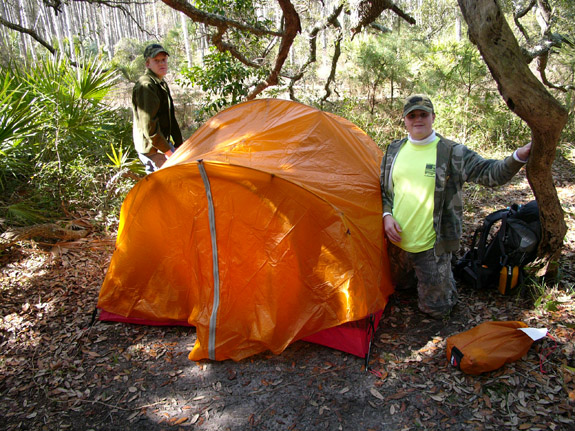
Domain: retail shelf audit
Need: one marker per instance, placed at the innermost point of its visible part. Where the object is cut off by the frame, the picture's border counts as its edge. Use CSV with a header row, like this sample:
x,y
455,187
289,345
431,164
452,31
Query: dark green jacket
x,y
154,116
455,165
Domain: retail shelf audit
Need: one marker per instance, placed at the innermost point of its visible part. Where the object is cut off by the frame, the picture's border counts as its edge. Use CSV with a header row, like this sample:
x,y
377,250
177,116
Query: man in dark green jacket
x,y
422,177
156,130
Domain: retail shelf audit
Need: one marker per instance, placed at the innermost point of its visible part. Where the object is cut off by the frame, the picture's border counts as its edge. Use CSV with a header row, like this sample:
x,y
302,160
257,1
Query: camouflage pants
x,y
431,274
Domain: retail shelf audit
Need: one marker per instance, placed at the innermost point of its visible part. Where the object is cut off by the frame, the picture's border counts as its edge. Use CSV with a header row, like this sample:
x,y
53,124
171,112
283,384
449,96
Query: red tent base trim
x,y
352,337
111,317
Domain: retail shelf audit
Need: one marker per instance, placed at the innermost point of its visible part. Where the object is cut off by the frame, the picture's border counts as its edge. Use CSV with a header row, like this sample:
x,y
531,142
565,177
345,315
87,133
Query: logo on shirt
x,y
429,170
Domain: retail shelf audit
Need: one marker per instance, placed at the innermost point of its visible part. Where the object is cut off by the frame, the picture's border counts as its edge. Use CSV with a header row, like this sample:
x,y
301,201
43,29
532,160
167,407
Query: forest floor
x,y
59,373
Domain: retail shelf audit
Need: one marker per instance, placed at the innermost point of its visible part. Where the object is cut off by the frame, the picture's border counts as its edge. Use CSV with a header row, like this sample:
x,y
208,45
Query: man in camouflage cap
x,y
155,129
422,176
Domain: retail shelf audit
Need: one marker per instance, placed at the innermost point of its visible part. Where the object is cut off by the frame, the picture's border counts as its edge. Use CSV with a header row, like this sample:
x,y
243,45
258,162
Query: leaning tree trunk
x,y
527,97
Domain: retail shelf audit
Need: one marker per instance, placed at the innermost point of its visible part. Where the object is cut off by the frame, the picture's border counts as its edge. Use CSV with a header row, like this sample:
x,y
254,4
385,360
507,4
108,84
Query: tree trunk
x,y
4,30
59,37
184,23
106,29
458,36
526,96
156,21
67,12
95,26
46,23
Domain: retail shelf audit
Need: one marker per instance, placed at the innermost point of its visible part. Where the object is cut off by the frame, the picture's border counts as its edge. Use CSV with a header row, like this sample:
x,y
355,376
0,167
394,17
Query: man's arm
x,y
490,172
391,228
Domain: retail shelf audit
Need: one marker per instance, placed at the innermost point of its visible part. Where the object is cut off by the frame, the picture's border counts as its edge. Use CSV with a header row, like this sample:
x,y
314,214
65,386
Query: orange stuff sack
x,y
488,346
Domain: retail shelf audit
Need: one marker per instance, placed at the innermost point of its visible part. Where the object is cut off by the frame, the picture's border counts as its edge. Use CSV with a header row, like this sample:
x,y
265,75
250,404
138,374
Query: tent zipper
x,y
215,266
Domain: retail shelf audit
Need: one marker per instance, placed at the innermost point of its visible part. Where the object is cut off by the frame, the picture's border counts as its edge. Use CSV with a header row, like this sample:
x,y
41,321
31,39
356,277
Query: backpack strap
x,y
501,238
487,223
502,234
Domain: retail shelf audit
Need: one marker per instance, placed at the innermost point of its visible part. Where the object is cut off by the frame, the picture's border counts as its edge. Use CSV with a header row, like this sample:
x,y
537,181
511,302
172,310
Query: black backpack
x,y
497,260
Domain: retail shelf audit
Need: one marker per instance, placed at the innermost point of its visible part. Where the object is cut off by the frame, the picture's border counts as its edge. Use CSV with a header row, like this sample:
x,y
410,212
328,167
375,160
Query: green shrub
x,y
56,160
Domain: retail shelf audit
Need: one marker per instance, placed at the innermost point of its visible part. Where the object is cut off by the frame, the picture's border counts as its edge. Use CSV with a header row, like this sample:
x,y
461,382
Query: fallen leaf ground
x,y
57,372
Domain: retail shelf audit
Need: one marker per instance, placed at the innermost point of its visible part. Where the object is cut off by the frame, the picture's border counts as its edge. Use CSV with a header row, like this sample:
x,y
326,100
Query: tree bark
x,y
527,97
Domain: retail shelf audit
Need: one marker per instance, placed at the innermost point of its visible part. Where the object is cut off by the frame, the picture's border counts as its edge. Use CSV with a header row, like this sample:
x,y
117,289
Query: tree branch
x,y
292,28
30,33
218,41
217,21
332,19
334,61
549,40
541,68
223,24
369,10
520,13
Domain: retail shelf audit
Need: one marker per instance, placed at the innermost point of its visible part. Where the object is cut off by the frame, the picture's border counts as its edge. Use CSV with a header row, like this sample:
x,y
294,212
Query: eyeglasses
x,y
414,115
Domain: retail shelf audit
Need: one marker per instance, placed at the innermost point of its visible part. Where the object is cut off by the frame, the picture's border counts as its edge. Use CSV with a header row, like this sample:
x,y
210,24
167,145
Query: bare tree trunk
x,y
204,42
526,96
22,20
46,23
143,20
3,29
106,29
26,24
95,26
184,22
69,33
120,27
77,21
58,31
156,21
458,36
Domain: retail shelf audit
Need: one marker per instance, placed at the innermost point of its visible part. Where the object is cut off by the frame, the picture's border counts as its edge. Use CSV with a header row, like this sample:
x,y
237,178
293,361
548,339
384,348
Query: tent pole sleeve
x,y
215,266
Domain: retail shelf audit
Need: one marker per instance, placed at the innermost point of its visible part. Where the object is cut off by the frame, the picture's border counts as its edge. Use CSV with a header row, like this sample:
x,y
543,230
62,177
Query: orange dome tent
x,y
263,228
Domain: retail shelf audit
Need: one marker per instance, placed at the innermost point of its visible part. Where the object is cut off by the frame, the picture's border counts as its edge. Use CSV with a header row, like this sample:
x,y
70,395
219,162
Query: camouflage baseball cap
x,y
154,49
417,101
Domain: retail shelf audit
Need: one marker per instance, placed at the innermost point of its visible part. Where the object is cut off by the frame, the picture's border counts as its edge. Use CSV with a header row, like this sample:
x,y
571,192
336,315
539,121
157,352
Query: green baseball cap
x,y
417,101
154,49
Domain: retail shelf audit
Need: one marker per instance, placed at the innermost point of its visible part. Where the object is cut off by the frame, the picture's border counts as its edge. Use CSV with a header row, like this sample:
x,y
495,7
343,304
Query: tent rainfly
x,y
262,229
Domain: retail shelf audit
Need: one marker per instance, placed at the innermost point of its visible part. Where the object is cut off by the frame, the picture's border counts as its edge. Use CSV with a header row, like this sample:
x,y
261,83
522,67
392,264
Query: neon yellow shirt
x,y
414,185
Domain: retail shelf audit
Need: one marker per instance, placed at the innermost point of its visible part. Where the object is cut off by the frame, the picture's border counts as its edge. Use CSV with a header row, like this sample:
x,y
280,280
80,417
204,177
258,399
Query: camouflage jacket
x,y
154,116
455,165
